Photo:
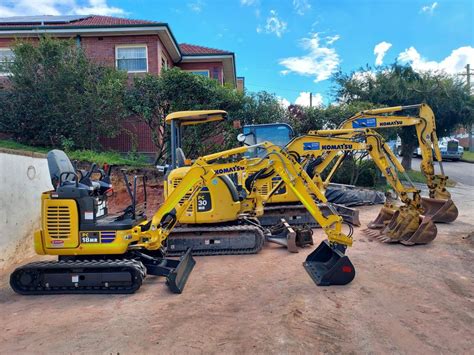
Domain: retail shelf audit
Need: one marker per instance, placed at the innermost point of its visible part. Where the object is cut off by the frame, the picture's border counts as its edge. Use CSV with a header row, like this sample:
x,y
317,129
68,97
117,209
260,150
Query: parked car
x,y
449,147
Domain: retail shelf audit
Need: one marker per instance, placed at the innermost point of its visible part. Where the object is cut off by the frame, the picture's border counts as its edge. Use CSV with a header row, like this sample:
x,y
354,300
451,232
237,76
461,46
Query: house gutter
x,y
36,30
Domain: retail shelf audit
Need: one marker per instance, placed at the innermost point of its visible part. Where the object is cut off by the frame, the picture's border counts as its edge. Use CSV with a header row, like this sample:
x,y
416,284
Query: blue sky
x,y
291,47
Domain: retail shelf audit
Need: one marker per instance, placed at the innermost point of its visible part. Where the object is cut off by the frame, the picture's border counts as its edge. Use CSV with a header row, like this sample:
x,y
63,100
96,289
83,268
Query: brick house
x,y
136,46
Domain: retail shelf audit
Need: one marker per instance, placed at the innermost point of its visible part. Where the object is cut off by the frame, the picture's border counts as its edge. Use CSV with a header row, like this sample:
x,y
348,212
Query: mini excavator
x,y
221,219
102,253
439,207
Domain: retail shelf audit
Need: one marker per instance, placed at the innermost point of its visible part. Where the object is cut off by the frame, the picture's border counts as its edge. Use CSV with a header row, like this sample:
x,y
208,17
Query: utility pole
x,y
468,83
310,99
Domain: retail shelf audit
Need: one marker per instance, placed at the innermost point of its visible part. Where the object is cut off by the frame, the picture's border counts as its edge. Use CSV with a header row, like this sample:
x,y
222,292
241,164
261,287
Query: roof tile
x,y
191,49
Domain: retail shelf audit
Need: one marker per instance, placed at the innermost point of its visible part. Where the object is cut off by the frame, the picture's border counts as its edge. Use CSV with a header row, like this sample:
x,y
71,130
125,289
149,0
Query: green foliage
x,y
397,85
356,170
304,119
469,156
90,156
58,96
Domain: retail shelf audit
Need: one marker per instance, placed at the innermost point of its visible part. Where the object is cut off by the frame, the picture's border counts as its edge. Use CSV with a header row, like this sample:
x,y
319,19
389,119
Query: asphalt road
x,y
456,170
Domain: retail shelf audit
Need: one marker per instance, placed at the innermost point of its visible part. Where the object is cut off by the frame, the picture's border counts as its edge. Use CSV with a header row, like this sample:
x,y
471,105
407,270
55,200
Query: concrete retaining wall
x,y
22,180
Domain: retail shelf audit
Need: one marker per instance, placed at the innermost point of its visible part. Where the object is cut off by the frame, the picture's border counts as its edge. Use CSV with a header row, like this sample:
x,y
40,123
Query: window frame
x,y
200,70
1,50
131,46
166,64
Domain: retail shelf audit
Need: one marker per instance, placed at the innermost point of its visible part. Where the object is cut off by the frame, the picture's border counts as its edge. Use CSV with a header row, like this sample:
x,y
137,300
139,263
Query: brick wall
x,y
215,69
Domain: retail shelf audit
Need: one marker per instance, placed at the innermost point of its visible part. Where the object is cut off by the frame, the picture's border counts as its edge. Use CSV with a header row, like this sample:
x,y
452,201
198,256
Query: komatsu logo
x,y
393,123
337,146
232,169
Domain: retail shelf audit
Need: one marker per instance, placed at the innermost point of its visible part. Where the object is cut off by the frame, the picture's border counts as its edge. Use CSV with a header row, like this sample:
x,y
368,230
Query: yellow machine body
x,y
214,203
60,232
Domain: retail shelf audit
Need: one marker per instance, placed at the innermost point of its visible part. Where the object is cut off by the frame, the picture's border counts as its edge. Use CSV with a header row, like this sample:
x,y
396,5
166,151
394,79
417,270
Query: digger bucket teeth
x,y
440,211
408,229
178,276
329,266
382,218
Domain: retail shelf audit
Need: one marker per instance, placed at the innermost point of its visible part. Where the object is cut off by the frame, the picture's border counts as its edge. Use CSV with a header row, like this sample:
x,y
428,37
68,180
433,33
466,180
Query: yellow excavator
x,y
409,225
221,219
439,207
102,253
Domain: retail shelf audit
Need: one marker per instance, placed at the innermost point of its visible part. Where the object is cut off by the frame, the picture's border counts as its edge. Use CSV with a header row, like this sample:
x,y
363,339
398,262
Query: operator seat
x,y
180,158
60,167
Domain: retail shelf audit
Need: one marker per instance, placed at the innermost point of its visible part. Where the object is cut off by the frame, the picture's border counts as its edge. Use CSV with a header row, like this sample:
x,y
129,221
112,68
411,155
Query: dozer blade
x,y
384,216
440,211
408,228
283,234
177,278
175,271
329,266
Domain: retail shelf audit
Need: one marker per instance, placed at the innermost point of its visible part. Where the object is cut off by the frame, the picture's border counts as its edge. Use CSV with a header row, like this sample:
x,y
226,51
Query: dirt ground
x,y
403,300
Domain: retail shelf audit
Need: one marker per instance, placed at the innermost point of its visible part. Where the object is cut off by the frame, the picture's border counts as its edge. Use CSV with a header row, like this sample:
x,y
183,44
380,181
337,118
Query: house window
x,y
6,60
133,59
201,72
164,61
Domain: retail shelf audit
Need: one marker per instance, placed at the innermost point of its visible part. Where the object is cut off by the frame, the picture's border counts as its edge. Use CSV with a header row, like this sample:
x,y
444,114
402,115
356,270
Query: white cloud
x,y
332,39
320,62
273,25
452,64
283,102
429,9
380,50
249,2
195,6
304,99
58,7
301,6
98,7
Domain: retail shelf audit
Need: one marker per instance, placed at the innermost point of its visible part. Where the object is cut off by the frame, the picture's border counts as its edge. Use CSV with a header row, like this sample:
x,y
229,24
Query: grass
x,y
418,177
468,156
90,156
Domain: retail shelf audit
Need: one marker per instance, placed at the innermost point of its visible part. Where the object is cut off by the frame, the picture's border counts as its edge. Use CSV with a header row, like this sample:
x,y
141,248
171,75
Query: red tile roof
x,y
191,49
91,20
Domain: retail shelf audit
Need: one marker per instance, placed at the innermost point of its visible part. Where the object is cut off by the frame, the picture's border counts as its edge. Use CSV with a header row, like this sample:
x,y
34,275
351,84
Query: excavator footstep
x,y
329,266
440,211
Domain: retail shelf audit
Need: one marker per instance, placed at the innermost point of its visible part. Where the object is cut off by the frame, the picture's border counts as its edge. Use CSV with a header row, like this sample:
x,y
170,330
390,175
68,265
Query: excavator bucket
x,y
384,216
408,228
443,211
329,266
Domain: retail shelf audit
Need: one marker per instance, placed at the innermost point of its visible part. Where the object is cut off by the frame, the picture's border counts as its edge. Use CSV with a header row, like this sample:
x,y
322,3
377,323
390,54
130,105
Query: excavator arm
x,y
327,265
425,125
325,146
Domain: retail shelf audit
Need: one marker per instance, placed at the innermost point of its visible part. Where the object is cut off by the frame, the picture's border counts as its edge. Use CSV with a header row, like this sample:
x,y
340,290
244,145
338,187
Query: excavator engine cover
x,y
328,265
443,211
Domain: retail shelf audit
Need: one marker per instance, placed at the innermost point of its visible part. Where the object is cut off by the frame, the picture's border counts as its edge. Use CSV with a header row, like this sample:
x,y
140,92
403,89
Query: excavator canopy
x,y
188,118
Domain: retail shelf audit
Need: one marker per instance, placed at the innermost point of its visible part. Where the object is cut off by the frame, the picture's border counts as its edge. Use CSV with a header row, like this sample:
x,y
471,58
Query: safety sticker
x,y
311,146
364,123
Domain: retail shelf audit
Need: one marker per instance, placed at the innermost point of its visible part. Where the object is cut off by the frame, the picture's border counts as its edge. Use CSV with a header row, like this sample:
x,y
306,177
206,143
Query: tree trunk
x,y
407,152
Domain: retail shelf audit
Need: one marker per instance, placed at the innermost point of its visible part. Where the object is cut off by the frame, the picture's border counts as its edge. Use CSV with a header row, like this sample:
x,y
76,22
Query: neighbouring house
x,y
136,46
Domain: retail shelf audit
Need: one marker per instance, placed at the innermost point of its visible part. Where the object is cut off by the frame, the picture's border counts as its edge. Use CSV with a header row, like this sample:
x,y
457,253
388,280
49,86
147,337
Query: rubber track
x,y
140,273
282,208
260,239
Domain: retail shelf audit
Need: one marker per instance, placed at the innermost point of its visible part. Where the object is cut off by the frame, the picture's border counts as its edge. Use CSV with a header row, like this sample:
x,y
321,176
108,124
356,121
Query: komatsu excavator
x,y
410,225
439,207
221,218
101,253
